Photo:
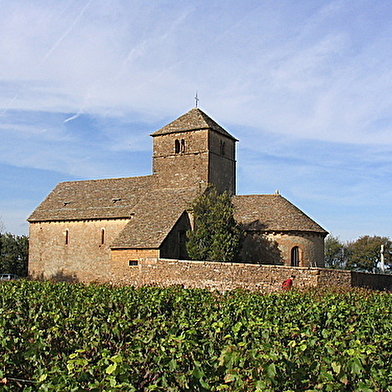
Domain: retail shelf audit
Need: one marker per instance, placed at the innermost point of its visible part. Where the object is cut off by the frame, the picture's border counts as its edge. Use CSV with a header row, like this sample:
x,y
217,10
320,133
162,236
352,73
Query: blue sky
x,y
305,86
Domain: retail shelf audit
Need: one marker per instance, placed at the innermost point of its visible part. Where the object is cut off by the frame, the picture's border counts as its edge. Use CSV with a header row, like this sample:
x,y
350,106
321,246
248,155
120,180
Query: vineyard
x,y
73,337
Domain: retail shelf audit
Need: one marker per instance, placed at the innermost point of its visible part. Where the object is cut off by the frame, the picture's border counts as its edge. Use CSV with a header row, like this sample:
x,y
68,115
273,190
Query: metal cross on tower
x,y
197,99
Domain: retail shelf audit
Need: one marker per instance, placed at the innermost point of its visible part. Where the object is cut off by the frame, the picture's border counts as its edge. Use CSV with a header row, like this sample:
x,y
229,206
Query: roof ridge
x,y
192,120
106,179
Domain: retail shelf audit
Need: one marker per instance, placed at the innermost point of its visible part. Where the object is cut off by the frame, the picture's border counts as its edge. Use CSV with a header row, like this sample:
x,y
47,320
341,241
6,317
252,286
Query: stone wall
x,y
311,247
229,276
371,281
126,265
78,250
188,166
332,277
201,156
276,248
222,164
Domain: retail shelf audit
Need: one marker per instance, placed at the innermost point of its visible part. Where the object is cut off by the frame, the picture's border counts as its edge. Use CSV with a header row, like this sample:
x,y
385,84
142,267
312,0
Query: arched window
x,y
295,256
179,146
176,146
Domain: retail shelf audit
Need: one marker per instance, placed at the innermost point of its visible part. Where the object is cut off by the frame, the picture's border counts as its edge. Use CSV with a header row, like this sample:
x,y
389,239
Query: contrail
x,y
221,36
57,43
74,117
9,105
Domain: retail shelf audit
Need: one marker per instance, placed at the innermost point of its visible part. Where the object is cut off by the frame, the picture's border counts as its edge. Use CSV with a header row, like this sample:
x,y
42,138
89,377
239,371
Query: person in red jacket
x,y
288,283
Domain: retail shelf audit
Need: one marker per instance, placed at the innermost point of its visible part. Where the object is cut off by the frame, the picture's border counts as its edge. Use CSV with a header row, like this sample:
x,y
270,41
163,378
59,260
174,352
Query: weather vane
x,y
196,99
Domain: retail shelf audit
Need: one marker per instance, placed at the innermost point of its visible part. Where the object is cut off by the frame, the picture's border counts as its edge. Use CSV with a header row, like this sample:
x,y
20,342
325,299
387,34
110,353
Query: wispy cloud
x,y
253,59
305,86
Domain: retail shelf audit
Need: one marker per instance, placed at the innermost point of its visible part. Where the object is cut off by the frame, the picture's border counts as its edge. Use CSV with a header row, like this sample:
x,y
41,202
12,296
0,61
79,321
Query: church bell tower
x,y
194,150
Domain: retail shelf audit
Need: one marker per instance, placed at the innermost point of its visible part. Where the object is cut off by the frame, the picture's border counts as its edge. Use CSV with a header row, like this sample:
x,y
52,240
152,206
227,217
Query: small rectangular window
x,y
177,146
66,237
133,262
102,236
222,148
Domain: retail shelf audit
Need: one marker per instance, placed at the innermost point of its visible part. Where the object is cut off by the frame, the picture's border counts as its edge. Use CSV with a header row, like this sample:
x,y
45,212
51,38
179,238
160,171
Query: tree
x,y
216,234
365,253
13,254
336,253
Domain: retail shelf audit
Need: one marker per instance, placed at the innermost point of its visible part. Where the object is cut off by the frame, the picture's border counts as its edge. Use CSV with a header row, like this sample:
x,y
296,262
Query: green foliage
x,y
365,253
216,235
360,255
336,253
62,337
13,254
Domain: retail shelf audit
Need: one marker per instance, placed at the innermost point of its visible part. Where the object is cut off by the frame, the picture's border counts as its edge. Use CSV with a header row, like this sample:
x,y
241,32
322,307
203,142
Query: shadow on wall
x,y
60,276
257,249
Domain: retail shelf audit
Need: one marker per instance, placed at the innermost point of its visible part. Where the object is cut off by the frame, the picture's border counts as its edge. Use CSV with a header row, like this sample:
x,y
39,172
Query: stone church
x,y
99,230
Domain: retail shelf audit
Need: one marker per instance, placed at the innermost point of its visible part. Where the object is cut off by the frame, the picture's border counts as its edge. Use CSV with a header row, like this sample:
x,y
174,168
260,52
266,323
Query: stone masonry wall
x,y
210,275
222,164
371,281
72,250
187,167
229,276
126,266
203,156
311,247
276,248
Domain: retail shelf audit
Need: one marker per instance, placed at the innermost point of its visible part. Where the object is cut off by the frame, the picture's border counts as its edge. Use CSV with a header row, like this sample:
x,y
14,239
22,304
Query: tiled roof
x,y
155,215
93,199
272,213
193,120
154,212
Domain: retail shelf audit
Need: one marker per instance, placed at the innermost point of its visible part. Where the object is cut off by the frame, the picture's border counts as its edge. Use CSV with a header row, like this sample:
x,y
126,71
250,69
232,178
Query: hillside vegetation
x,y
63,337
